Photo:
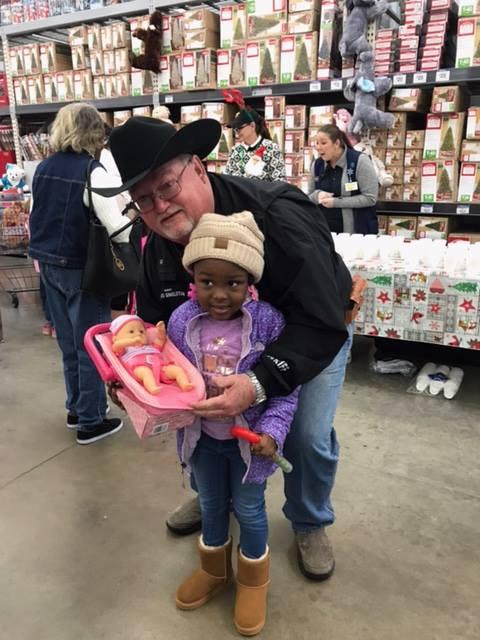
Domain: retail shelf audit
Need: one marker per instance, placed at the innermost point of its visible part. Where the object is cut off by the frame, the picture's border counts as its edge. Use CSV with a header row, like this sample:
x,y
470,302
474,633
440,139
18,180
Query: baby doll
x,y
143,358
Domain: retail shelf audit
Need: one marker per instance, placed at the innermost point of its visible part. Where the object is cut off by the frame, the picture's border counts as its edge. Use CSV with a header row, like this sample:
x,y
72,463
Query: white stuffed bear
x,y
14,177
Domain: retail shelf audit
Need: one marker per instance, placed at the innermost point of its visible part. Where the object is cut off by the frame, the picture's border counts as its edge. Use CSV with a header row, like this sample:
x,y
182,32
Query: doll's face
x,y
221,287
132,330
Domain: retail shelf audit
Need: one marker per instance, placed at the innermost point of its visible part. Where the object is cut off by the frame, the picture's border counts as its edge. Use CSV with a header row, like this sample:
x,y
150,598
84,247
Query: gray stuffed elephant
x,y
353,40
363,90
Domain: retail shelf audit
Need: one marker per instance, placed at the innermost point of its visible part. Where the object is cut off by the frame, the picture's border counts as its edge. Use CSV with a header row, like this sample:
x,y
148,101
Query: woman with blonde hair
x,y
59,226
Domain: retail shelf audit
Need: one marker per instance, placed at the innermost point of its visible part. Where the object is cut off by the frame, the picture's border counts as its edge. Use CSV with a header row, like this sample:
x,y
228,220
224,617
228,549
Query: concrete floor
x,y
84,554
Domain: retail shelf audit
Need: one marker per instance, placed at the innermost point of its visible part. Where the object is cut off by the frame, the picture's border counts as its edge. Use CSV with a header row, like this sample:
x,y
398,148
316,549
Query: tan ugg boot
x,y
251,599
203,584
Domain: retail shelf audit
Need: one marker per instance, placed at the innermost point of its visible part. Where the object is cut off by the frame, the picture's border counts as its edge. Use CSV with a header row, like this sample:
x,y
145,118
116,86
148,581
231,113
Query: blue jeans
x,y
73,312
312,448
219,469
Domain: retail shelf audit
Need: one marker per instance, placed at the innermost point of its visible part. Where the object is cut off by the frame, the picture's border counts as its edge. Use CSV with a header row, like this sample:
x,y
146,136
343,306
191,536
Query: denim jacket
x,y
59,222
261,325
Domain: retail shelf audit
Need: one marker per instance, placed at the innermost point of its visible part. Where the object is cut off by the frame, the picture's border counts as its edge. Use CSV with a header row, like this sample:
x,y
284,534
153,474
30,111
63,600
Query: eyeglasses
x,y
167,191
237,129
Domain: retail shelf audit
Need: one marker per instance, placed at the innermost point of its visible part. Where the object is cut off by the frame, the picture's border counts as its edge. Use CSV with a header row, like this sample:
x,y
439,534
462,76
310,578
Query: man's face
x,y
175,218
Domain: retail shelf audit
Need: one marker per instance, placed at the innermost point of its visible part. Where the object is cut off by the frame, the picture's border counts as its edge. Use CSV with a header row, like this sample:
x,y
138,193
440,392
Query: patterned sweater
x,y
267,150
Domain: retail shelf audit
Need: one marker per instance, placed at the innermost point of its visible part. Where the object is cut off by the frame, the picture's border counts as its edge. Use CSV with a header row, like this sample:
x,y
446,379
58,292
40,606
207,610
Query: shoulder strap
x,y
319,168
352,161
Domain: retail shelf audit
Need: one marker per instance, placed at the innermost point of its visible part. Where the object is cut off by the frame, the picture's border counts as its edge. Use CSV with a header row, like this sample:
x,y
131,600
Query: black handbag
x,y
111,269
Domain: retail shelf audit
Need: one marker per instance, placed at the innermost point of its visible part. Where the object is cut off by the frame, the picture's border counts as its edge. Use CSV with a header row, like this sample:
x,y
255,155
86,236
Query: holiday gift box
x,y
215,166
405,226
468,43
320,116
396,171
111,87
435,228
439,181
221,111
124,84
293,164
378,138
277,132
120,117
142,111
109,62
298,56
394,193
205,69
294,6
176,71
415,139
83,84
231,67
328,60
80,57
97,62
166,46
309,156
408,100
394,157
469,183
78,36
294,141
201,19
412,175
64,84
266,18
382,225
188,70
36,92
190,113
120,35
263,62
224,145
20,89
94,37
99,87
233,25
295,116
411,193
443,136
413,157
470,151
274,107
467,8
395,139
141,82
49,88
31,59
139,22
448,99
201,39
122,60
473,123
54,57
303,21
399,122
106,37
16,61
177,39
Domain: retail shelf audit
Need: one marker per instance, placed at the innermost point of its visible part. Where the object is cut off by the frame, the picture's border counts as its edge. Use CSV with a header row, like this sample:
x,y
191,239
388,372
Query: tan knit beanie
x,y
235,238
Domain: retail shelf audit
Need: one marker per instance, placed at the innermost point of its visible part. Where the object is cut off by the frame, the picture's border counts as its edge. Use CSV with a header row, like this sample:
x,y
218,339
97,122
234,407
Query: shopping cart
x,y
17,275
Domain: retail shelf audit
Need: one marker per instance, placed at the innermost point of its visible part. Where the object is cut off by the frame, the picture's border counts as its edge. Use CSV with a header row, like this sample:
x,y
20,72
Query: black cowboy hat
x,y
143,144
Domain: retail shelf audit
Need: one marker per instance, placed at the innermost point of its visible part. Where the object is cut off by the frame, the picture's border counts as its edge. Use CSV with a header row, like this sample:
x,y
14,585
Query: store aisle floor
x,y
84,553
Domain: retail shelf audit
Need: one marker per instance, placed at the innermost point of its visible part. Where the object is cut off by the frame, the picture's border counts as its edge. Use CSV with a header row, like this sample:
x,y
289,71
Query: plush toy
x,y
364,89
142,358
13,178
354,39
162,113
152,37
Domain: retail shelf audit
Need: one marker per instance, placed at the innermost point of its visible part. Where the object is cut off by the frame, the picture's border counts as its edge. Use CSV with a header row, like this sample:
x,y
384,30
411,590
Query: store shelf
x,y
436,209
126,102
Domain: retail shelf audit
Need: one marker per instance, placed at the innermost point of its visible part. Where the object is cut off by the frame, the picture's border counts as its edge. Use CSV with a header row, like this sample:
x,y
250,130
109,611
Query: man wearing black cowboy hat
x,y
303,277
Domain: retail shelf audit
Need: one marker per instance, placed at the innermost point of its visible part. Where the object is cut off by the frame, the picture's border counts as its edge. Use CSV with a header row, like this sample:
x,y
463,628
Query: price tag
x,y
262,91
463,209
336,85
443,75
426,208
315,86
168,99
418,78
399,79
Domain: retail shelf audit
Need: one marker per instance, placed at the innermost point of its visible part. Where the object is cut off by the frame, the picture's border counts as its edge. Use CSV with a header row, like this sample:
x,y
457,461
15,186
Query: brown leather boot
x,y
204,583
251,599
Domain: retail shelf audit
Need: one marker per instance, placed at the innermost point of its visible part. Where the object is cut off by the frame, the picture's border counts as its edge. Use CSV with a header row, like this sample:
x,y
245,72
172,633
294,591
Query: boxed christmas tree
x,y
298,56
120,117
473,123
397,172
393,193
395,139
206,69
435,228
35,89
294,141
382,225
99,88
177,40
80,57
120,35
394,157
378,138
176,71
399,122
221,111
224,145
295,116
49,88
94,37
468,8
139,22
20,89
293,164
164,75
443,135
412,193
233,25
413,157
54,57
201,39
188,70
309,156
301,182
142,111
469,183
231,67
190,113
468,43
109,62
274,107
141,82
201,19
106,37
82,85
16,61
295,6
303,21
266,18
439,181
96,63
111,87
415,139
412,175
64,84
405,226
216,166
124,84
31,59
277,132
122,60
328,60
448,99
408,100
319,116
263,62
470,151
78,36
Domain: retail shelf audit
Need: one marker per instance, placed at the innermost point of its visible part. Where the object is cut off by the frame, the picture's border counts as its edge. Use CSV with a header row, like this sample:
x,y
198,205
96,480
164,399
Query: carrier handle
x,y
106,372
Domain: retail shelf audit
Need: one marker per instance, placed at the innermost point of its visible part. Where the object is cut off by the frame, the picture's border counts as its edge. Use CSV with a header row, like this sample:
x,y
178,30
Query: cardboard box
x,y
221,111
141,82
231,67
468,43
309,156
190,113
20,89
274,107
194,19
378,138
64,85
99,87
215,166
397,172
320,116
463,236
395,139
139,22
448,99
468,8
303,5
263,62
205,69
394,157
412,175
394,193
80,57
94,37
303,21
382,225
36,93
176,72
78,36
399,122
97,62
432,227
177,32
164,75
54,57
224,146
16,61
293,164
473,123
413,157
50,87
470,151
122,60
439,181
294,141
201,39
106,37
109,62
124,84
298,57
83,85
142,111
120,35
405,226
408,99
277,132
415,139
188,70
469,183
328,60
443,136
412,193
266,18
233,25
295,116
31,59
111,86
120,117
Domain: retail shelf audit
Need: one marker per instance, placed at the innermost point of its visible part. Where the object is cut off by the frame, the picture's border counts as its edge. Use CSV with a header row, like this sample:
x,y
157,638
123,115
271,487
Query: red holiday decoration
x,y
454,342
392,333
383,297
420,295
474,344
467,305
416,317
373,331
435,308
437,286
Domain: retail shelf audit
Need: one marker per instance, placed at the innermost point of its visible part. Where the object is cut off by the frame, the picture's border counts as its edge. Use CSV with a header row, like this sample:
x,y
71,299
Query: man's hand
x,y
267,447
112,388
238,395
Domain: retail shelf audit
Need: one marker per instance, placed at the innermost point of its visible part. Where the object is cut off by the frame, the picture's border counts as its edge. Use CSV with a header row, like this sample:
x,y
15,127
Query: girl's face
x,y
221,287
327,150
246,134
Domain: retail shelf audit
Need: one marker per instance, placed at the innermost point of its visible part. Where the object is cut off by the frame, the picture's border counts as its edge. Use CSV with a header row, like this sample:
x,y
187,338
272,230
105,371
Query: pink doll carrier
x,y
150,414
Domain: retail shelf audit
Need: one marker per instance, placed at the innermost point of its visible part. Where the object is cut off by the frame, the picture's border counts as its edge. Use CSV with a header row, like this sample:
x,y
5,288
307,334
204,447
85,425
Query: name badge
x,y
351,186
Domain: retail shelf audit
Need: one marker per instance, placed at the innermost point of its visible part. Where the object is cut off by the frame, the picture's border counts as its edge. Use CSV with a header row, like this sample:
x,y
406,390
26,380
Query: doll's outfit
x,y
146,356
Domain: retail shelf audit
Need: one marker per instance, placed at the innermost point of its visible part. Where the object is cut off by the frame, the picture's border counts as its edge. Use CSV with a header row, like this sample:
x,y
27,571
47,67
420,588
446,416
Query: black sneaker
x,y
106,428
72,419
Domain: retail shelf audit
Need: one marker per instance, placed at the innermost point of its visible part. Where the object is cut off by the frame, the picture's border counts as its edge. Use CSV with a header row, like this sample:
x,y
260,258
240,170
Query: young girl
x,y
224,330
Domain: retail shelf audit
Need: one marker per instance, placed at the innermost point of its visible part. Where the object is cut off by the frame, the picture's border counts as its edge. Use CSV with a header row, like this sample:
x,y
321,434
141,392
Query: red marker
x,y
254,438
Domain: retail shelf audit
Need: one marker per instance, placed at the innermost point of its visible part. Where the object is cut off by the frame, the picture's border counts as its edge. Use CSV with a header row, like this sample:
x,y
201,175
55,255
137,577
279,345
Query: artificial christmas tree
x,y
237,76
303,70
267,74
448,143
238,34
444,191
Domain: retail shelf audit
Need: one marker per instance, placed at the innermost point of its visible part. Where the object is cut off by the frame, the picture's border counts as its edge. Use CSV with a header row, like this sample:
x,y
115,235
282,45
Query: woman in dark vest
x,y
344,184
59,230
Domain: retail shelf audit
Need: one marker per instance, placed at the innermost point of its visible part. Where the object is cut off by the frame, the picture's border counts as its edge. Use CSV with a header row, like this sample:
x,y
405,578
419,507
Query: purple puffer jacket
x,y
261,325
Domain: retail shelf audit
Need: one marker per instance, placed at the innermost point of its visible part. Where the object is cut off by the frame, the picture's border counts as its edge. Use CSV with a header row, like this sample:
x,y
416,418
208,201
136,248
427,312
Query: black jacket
x,y
303,277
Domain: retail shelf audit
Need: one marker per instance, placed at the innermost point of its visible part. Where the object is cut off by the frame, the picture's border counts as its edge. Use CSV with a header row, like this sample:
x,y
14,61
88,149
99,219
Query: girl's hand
x,y
267,447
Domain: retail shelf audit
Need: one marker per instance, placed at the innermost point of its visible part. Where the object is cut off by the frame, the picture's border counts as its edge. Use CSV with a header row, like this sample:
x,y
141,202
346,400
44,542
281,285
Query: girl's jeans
x,y
219,468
